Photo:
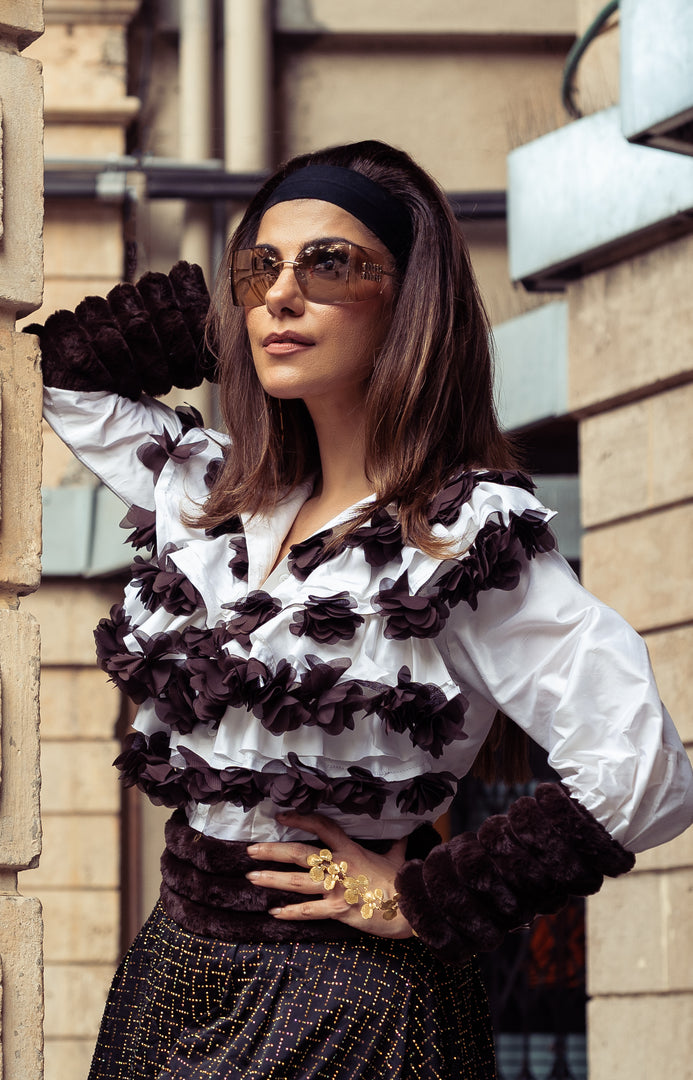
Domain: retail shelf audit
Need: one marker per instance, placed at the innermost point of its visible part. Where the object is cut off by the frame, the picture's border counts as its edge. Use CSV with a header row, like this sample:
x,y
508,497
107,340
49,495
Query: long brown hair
x,y
429,408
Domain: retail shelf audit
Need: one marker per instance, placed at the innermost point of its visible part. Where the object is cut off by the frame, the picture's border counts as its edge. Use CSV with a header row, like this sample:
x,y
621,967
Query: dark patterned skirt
x,y
187,1007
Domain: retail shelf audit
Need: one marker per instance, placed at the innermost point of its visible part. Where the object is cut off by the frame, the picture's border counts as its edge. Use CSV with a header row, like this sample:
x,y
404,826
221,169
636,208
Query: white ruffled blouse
x,y
359,684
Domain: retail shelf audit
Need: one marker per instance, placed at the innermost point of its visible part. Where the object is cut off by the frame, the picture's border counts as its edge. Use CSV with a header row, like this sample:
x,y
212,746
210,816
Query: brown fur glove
x,y
142,338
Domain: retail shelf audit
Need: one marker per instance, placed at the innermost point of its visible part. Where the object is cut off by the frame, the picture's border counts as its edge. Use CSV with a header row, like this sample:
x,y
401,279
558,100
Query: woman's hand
x,y
379,869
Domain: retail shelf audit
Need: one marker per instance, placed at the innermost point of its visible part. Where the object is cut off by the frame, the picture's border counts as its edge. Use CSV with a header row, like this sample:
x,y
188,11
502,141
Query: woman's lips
x,y
285,344
285,348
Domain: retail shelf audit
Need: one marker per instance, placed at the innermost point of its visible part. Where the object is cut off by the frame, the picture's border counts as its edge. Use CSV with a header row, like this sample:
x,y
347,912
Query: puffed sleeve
x,y
574,675
116,438
577,678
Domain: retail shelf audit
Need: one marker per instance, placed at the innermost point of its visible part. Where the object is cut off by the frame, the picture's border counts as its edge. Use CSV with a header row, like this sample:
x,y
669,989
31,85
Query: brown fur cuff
x,y
468,893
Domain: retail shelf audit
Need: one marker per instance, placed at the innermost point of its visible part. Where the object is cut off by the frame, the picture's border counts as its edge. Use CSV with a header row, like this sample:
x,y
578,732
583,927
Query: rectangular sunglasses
x,y
327,272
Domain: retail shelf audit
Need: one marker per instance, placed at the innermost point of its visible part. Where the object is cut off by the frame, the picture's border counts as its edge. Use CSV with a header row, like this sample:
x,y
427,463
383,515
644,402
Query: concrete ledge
x,y
656,64
562,494
532,366
582,197
81,534
119,112
90,11
545,18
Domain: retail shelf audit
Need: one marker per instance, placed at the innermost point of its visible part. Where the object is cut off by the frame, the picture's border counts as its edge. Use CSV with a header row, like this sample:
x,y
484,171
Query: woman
x,y
338,601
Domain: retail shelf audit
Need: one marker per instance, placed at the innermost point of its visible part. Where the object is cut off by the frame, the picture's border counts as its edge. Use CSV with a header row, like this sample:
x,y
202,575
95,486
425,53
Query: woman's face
x,y
322,353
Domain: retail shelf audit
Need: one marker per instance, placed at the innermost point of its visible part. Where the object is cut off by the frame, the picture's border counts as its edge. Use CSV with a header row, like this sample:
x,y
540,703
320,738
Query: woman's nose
x,y
285,294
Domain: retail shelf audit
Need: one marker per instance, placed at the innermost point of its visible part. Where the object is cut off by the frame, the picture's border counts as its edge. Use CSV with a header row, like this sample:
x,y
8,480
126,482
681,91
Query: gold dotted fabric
x,y
184,1007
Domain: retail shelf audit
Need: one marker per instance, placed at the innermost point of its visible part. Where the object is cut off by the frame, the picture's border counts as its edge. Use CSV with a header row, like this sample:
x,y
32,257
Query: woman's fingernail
x,y
252,849
275,911
253,874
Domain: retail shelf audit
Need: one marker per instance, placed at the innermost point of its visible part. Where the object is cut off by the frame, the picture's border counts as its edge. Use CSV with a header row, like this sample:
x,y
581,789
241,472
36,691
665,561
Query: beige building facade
x,y
146,100
20,538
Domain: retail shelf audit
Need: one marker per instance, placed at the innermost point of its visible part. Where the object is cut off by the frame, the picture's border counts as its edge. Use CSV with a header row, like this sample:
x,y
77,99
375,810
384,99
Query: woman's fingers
x,y
345,869
282,852
275,879
313,909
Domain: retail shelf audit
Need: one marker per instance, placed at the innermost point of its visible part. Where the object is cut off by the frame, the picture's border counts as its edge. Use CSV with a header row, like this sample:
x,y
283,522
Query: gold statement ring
x,y
357,890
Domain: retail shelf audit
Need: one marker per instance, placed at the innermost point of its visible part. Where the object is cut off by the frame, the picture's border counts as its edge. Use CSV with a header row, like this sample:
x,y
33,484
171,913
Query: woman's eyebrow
x,y
312,243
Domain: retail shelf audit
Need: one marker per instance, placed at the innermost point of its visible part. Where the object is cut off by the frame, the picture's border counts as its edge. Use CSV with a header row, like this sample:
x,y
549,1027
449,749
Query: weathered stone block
x,y
629,327
68,614
20,524
77,703
79,775
21,252
22,984
75,997
671,653
637,457
82,63
21,20
20,824
644,567
640,934
81,926
79,852
640,1038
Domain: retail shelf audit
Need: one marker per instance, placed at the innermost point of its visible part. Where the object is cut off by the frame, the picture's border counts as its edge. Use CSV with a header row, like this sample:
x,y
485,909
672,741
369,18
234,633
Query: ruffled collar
x,y
265,534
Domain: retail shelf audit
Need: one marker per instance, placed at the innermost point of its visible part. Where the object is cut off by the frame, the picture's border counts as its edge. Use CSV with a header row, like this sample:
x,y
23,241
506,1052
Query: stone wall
x,y
84,58
631,384
20,538
631,353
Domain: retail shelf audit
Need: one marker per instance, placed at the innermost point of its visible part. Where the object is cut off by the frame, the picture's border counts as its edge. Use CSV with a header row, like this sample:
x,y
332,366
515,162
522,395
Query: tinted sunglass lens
x,y
332,272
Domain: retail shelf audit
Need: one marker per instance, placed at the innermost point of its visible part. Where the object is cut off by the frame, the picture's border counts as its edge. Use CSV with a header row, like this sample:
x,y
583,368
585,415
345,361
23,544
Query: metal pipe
x,y
204,181
247,84
195,132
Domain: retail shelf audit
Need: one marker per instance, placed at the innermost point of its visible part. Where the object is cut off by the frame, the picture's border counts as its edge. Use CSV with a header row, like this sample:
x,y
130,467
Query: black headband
x,y
379,211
